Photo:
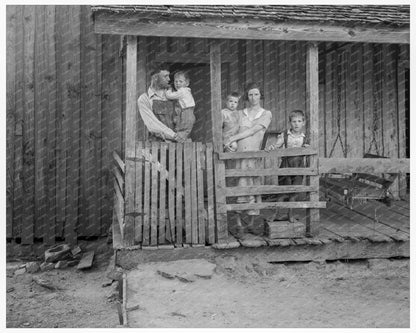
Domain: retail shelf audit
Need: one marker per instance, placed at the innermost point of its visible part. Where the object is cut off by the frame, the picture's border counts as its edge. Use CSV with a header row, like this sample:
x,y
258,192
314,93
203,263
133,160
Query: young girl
x,y
253,123
230,120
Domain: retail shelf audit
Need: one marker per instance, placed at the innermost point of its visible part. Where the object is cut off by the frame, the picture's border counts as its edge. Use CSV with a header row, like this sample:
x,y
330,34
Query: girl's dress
x,y
251,143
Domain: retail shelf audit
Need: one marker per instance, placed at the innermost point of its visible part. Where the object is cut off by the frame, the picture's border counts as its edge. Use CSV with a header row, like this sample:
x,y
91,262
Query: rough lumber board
x,y
271,172
210,194
162,195
138,197
52,188
220,200
312,92
276,153
146,199
364,165
119,161
187,181
154,193
267,189
194,194
28,125
86,260
271,205
141,82
119,178
170,229
200,189
215,83
108,23
11,60
41,105
179,192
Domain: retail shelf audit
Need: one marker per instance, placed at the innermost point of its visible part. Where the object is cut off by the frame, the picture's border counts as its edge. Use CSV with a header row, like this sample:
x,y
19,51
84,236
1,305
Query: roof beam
x,y
122,24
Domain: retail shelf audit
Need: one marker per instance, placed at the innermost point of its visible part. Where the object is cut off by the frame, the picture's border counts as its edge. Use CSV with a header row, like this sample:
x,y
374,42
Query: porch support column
x,y
215,71
130,139
312,97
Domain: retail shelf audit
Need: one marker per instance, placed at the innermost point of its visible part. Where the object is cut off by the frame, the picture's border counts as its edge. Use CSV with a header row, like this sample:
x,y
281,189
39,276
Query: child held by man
x,y
230,120
185,118
292,138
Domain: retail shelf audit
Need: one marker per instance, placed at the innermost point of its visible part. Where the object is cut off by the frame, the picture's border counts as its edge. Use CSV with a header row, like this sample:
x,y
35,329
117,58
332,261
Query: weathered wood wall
x,y
64,118
65,104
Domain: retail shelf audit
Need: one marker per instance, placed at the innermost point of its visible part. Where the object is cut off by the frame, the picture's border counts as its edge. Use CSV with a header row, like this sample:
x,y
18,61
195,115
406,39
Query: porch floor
x,y
370,230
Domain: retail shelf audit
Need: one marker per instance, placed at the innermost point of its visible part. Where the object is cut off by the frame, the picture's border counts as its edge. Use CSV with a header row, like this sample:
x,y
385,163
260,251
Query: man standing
x,y
156,110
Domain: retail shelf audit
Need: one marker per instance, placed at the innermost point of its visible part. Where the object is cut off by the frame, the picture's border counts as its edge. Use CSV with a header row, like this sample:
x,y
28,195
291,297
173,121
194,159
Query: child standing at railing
x,y
230,120
294,137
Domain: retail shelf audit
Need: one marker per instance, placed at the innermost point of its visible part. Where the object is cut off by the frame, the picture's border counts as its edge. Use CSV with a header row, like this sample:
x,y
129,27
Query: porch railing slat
x,y
129,193
268,189
179,192
194,195
138,201
154,208
162,195
200,189
210,194
271,172
170,234
278,153
187,181
271,205
146,199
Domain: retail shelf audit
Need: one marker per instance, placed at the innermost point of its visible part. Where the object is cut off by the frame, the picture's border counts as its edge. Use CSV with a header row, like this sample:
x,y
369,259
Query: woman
x,y
254,121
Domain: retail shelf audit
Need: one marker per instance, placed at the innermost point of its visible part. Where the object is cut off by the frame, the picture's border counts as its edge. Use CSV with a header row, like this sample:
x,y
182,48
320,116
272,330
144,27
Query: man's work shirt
x,y
157,113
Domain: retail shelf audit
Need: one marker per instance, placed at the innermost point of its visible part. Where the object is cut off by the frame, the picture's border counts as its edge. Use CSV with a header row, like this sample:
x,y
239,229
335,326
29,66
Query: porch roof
x,y
335,14
369,24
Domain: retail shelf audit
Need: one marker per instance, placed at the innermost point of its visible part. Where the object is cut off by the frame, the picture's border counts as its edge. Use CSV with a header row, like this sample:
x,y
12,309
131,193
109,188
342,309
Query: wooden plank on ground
x,y
194,194
154,193
86,260
29,126
200,187
188,191
210,194
170,228
138,198
146,197
162,194
179,192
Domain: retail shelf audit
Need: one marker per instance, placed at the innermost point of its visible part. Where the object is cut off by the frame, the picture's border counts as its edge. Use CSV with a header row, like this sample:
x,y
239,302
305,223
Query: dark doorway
x,y
201,91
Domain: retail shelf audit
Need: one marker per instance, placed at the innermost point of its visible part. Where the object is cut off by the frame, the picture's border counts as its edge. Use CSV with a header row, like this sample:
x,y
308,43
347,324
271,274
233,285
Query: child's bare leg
x,y
290,215
239,228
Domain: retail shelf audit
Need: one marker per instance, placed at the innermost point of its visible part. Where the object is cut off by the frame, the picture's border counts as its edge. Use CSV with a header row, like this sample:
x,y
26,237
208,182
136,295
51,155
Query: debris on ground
x,y
46,266
45,283
32,267
113,293
187,270
86,260
20,271
57,253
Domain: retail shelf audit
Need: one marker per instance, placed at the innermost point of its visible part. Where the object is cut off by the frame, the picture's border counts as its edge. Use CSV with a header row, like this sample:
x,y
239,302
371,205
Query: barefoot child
x,y
294,137
185,119
230,119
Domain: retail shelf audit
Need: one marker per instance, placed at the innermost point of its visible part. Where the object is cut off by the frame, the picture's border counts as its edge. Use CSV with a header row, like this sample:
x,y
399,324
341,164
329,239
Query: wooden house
x,y
346,66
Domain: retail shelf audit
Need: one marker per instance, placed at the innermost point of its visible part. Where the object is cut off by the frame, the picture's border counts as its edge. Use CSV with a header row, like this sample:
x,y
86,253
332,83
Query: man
x,y
156,110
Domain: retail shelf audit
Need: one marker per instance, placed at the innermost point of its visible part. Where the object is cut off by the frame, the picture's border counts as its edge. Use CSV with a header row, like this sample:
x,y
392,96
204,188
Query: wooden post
x,y
130,139
215,71
312,93
141,84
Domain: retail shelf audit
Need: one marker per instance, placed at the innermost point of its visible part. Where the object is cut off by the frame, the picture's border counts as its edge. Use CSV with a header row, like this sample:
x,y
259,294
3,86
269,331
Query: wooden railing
x,y
168,195
308,186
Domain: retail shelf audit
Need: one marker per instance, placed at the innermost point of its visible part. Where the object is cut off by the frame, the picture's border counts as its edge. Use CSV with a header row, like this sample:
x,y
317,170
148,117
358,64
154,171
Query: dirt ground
x,y
240,293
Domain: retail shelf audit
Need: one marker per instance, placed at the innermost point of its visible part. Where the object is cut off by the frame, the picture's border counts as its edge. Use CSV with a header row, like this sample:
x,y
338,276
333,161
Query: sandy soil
x,y
240,293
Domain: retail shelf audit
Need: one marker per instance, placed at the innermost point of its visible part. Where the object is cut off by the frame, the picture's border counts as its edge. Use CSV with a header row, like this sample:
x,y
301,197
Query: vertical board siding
x,y
11,19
